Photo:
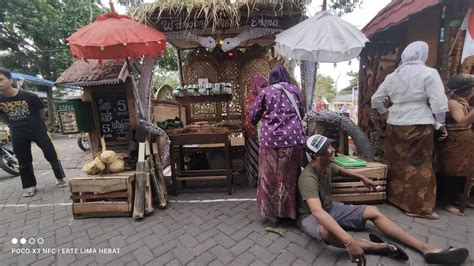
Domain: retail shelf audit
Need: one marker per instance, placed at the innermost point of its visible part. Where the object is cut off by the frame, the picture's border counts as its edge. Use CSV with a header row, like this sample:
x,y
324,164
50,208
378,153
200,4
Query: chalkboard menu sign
x,y
114,121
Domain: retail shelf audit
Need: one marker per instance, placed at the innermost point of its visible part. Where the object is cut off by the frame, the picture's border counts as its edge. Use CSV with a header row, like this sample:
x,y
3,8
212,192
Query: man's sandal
x,y
61,184
29,192
447,256
395,252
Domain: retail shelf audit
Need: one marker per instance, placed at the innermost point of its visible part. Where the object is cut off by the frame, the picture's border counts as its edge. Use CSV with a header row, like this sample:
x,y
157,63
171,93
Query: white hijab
x,y
413,62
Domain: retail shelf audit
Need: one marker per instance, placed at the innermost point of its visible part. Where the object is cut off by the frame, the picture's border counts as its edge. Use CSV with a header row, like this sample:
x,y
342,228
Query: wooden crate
x,y
102,195
350,191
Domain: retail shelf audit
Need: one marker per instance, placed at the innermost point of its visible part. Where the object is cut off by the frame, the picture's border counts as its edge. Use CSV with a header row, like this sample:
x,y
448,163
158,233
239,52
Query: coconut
x,y
108,157
99,164
94,167
117,166
88,168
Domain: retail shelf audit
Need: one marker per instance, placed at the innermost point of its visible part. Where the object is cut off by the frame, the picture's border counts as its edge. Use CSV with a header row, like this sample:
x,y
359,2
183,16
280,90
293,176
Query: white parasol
x,y
323,38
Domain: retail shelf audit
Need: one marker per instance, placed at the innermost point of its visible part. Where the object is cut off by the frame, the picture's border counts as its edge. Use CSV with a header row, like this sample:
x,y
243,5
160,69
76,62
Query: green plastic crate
x,y
348,161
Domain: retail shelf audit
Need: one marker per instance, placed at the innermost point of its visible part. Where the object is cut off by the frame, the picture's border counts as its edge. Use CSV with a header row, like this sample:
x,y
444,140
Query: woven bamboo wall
x,y
377,60
217,66
425,27
197,67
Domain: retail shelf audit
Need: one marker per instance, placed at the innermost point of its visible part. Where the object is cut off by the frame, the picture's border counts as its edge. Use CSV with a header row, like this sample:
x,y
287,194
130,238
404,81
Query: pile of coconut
x,y
107,160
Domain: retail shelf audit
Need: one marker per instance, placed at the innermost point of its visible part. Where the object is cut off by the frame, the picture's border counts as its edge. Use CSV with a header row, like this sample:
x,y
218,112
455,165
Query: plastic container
x,y
347,161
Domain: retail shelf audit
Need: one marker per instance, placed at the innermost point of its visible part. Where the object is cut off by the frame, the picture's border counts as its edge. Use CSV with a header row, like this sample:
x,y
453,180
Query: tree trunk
x,y
51,116
49,98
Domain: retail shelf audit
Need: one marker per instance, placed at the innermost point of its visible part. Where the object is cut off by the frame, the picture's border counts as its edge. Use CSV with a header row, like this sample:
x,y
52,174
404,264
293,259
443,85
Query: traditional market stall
x,y
107,189
220,46
107,86
439,23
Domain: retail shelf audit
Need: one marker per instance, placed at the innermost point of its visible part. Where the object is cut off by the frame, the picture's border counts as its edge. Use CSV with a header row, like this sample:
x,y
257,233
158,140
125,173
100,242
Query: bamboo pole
x,y
156,169
140,179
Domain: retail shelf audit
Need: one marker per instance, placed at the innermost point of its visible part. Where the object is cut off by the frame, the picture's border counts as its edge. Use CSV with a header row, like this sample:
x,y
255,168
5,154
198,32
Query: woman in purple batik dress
x,y
281,140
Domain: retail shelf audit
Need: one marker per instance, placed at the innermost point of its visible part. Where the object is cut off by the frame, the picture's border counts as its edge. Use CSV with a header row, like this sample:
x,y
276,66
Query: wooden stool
x,y
203,138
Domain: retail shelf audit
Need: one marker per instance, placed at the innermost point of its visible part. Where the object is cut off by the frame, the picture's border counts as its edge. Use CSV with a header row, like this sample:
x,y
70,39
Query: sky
x,y
359,18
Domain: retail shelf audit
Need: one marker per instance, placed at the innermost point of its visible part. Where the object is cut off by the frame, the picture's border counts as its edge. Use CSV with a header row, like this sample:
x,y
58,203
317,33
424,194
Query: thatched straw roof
x,y
221,18
212,10
94,73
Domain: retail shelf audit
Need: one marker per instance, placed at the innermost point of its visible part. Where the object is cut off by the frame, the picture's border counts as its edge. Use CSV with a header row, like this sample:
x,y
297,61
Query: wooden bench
x,y
102,195
350,191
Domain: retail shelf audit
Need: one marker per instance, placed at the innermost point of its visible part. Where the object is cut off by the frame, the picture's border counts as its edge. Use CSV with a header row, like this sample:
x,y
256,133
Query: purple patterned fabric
x,y
278,173
281,126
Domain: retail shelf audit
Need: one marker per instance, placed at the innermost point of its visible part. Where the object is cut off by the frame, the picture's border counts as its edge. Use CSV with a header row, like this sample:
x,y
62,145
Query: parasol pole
x,y
111,4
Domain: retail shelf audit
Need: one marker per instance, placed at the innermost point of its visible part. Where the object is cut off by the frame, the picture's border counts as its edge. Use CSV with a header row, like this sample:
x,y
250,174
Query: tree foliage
x,y
325,87
354,78
32,33
166,77
169,61
344,6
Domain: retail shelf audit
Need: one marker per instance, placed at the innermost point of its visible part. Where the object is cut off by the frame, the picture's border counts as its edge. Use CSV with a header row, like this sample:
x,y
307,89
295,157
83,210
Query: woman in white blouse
x,y
418,107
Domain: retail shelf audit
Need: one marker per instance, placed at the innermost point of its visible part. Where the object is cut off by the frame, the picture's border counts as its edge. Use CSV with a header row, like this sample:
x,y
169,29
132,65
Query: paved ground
x,y
187,233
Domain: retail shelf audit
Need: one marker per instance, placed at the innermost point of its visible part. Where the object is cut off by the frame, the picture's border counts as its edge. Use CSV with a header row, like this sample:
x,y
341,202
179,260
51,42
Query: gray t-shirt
x,y
315,185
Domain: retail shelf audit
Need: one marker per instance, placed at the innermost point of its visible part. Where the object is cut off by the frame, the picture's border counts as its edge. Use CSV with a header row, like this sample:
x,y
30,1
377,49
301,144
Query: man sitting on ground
x,y
325,220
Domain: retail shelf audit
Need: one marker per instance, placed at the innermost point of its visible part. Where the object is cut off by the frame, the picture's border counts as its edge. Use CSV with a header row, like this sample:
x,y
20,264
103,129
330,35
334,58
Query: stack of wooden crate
x,y
351,191
105,195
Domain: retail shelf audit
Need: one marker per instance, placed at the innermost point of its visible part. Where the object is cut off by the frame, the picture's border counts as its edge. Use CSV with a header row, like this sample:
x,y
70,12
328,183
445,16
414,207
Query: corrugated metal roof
x,y
93,73
343,98
395,13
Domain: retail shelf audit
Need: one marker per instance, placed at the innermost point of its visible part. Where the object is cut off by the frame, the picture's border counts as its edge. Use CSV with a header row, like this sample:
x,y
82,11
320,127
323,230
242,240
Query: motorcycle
x,y
83,142
8,160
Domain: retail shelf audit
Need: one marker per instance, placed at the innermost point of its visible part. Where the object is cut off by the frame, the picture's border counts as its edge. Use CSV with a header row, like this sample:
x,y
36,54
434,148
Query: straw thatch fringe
x,y
212,10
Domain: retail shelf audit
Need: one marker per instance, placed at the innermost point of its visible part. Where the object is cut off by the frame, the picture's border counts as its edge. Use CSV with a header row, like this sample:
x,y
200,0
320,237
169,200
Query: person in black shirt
x,y
23,112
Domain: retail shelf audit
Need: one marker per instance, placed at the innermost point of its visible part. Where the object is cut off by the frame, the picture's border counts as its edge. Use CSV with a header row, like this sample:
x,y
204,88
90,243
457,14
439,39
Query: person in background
x,y
327,221
319,104
419,105
346,110
279,107
23,112
456,152
257,83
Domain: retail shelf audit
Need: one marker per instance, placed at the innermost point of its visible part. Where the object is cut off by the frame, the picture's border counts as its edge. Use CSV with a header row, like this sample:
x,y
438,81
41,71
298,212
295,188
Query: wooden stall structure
x,y
230,47
108,87
401,22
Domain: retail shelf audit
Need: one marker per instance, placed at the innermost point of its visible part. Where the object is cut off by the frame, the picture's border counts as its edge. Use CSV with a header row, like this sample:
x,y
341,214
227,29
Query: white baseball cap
x,y
317,144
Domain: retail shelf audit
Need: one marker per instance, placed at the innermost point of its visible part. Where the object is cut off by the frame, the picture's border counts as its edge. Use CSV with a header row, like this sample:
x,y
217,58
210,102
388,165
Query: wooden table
x,y
218,138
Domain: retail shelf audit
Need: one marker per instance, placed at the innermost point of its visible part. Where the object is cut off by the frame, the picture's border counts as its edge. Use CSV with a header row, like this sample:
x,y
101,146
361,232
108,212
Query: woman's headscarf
x,y
257,83
461,82
413,61
279,74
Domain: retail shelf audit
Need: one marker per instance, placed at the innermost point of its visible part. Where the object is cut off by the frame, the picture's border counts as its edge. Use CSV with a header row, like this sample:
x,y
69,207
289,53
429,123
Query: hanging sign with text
x,y
114,120
167,24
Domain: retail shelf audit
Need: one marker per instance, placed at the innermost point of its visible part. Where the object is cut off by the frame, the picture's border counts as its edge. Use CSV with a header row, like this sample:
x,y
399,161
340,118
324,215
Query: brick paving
x,y
200,233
